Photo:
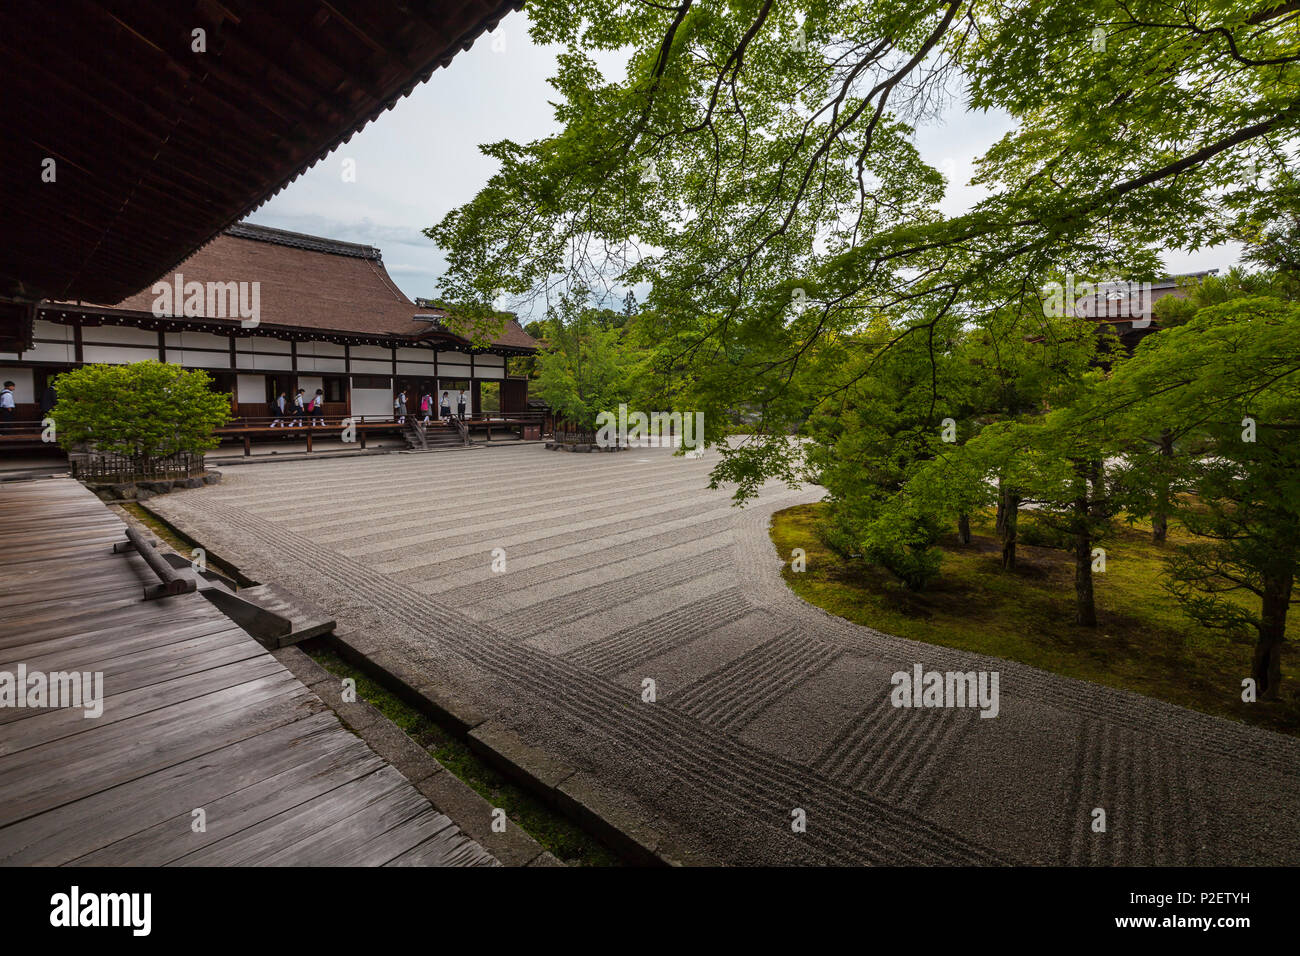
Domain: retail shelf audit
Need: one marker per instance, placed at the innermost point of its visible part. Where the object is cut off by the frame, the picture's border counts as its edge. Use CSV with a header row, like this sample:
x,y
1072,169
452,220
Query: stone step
x,y
306,619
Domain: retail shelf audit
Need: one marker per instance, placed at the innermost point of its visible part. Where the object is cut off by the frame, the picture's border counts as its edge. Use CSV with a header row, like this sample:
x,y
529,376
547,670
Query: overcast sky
x,y
421,159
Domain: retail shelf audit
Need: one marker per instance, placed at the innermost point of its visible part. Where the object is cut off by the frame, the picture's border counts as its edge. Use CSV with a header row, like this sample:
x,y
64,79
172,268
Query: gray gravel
x,y
626,567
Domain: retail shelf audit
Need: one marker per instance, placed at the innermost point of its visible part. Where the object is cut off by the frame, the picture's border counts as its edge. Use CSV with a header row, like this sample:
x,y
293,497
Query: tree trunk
x,y
963,528
1085,608
1267,665
1000,522
1160,520
1009,502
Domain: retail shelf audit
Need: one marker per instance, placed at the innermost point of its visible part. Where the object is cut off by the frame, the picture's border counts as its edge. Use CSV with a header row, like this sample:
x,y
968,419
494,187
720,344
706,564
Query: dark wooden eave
x,y
93,315
16,326
157,147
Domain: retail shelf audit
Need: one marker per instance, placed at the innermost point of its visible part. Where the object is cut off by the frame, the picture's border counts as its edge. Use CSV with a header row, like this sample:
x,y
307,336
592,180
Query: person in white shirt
x,y
318,408
277,408
460,405
299,408
7,403
399,408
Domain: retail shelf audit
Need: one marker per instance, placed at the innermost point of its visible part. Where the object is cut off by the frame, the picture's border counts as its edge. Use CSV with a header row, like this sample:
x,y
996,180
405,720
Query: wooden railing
x,y
305,420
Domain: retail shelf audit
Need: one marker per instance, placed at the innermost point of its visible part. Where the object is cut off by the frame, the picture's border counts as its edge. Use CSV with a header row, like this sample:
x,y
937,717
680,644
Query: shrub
x,y
149,409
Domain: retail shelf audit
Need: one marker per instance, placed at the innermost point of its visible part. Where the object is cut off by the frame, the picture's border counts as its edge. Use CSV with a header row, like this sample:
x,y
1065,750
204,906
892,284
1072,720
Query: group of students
x,y
426,406
313,408
302,409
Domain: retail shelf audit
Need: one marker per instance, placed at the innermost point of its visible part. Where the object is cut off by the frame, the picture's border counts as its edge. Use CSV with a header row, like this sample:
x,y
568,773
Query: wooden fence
x,y
100,467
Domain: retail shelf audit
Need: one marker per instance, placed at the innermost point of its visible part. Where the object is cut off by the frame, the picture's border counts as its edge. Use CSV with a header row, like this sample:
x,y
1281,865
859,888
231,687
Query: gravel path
x,y
626,567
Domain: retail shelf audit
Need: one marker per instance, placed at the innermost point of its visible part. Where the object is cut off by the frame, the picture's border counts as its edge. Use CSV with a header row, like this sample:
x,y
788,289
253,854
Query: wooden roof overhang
x,y
158,146
438,334
16,326
92,315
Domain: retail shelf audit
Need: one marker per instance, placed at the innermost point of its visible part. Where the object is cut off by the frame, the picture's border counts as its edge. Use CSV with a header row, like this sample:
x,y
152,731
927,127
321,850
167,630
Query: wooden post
x,y
248,445
309,440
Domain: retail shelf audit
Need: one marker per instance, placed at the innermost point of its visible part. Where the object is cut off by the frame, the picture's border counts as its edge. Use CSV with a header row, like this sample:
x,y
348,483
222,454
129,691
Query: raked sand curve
x,y
622,567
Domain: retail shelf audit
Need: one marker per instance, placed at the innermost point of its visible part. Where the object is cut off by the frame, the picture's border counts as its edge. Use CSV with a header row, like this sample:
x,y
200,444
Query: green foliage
x,y
145,408
1215,290
755,167
1144,643
1229,381
1041,534
588,367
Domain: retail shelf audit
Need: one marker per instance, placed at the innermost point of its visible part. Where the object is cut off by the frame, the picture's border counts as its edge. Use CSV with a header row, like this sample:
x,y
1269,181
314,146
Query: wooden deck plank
x,y
372,836
107,645
448,847
196,713
300,823
51,725
64,770
122,667
336,762
61,834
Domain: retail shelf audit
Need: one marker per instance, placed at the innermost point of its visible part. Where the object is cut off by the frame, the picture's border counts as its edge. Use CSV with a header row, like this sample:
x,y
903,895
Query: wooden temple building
x,y
140,136
328,317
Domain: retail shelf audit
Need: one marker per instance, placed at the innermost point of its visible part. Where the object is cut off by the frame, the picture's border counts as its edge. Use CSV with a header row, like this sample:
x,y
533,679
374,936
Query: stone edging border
x,y
573,792
447,792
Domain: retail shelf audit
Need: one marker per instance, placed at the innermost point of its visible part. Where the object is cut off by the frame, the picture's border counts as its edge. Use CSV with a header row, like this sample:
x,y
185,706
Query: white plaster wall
x,y
250,388
119,354
52,352
44,329
372,401
24,384
119,335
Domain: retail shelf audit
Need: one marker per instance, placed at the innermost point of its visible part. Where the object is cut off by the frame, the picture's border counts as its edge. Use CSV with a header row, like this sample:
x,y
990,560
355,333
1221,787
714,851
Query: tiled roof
x,y
300,240
313,283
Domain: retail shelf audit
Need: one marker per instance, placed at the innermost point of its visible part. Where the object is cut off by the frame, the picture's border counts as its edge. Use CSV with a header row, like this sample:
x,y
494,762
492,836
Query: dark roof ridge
x,y
301,240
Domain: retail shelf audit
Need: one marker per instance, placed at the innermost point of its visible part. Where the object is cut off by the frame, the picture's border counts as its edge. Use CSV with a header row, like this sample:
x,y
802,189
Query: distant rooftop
x,y
300,240
319,284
